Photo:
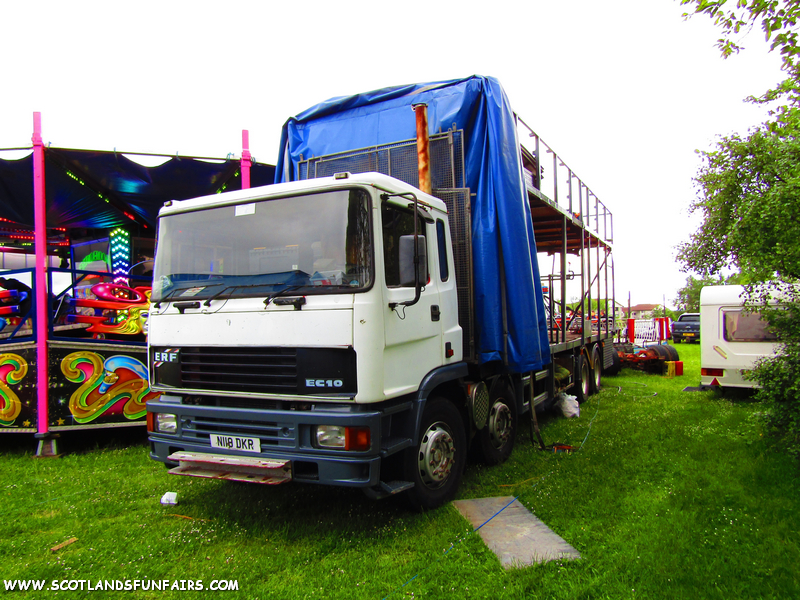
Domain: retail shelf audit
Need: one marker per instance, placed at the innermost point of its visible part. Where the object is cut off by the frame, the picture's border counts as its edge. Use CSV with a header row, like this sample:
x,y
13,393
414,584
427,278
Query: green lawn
x,y
672,495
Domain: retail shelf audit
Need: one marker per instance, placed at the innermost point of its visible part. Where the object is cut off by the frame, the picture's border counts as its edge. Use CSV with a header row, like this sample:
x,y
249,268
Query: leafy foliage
x,y
688,299
779,378
750,203
778,21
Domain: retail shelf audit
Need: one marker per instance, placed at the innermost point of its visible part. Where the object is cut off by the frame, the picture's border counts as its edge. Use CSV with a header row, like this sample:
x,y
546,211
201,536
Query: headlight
x,y
166,423
343,438
330,436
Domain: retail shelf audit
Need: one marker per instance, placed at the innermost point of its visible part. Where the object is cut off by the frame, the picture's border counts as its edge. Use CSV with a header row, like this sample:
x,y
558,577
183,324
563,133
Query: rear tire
x,y
597,369
616,364
496,439
437,463
583,378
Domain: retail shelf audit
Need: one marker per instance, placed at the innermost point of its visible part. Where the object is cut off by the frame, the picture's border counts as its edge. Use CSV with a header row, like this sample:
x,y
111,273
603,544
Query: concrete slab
x,y
515,535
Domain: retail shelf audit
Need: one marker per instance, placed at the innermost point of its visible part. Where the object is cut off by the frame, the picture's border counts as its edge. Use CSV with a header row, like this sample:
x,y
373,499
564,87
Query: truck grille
x,y
270,433
261,370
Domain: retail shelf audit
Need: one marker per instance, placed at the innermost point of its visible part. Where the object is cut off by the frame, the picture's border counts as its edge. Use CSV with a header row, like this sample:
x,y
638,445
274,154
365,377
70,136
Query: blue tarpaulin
x,y
502,231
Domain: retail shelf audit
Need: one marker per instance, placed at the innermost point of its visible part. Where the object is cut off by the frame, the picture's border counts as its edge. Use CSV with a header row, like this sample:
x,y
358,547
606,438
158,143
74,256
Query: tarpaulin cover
x,y
95,189
502,231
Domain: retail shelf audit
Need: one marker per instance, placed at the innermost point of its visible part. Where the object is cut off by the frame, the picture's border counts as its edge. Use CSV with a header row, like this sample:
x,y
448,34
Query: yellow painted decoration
x,y
11,405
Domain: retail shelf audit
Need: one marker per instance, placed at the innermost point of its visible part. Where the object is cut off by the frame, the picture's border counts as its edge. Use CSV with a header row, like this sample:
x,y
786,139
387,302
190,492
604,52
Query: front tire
x,y
437,463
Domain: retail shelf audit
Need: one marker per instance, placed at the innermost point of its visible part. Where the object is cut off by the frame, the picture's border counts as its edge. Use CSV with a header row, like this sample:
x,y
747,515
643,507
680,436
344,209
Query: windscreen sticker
x,y
244,209
192,291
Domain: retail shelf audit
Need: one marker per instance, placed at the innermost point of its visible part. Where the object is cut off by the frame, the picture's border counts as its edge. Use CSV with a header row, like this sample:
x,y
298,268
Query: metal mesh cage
x,y
399,160
458,209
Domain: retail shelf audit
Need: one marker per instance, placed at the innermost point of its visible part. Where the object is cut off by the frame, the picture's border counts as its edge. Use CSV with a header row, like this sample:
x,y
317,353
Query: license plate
x,y
688,334
235,442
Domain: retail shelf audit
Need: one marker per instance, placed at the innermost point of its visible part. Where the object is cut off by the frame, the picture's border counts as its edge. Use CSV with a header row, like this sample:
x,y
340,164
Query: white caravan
x,y
732,339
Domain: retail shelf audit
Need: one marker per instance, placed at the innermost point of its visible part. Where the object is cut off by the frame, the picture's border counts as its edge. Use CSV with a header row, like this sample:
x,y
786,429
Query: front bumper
x,y
284,435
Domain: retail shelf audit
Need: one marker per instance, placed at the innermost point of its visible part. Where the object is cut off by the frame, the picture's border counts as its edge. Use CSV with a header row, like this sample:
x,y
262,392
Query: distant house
x,y
643,311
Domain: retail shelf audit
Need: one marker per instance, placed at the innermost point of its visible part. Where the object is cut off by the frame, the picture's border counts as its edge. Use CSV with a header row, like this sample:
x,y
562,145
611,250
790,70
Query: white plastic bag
x,y
569,405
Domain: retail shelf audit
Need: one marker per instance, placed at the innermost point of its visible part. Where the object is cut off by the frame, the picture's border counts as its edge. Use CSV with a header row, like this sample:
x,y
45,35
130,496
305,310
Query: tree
x,y
778,22
749,186
750,204
688,299
749,198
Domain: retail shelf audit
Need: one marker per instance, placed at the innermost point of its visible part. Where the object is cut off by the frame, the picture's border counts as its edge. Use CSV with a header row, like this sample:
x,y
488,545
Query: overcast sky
x,y
625,95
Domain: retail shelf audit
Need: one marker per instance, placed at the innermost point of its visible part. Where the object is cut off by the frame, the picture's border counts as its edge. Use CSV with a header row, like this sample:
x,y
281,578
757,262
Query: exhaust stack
x,y
423,147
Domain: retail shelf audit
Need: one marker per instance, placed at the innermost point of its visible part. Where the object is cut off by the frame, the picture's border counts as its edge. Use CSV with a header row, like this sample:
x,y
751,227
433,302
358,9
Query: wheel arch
x,y
443,381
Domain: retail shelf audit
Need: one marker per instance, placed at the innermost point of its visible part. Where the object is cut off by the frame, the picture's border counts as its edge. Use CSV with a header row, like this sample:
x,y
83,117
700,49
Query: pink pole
x,y
246,156
40,244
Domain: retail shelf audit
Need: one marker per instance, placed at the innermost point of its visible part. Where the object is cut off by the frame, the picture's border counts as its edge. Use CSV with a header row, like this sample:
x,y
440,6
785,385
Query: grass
x,y
672,495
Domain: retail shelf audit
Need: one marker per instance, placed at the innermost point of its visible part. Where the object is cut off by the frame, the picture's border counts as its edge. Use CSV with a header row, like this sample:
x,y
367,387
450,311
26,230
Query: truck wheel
x,y
583,379
672,352
437,464
660,351
597,369
616,364
496,439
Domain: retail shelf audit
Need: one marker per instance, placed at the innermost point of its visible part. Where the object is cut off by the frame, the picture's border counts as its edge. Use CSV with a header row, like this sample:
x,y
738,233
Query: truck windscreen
x,y
316,243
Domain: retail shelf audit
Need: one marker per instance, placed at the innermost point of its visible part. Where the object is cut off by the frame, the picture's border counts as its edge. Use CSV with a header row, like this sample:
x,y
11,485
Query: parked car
x,y
686,328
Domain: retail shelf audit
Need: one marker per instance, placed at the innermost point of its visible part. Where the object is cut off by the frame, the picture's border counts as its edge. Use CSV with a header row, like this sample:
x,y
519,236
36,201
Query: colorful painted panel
x,y
95,387
18,389
111,308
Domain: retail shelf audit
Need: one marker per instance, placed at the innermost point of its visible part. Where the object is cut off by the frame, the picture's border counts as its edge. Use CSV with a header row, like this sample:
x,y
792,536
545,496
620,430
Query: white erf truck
x,y
381,309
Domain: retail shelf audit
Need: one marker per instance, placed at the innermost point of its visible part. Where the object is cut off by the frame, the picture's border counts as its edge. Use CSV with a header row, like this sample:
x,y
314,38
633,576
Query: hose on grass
x,y
620,391
559,447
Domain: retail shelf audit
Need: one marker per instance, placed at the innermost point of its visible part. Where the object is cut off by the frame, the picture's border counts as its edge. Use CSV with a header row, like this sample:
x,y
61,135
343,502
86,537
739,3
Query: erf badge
x,y
165,356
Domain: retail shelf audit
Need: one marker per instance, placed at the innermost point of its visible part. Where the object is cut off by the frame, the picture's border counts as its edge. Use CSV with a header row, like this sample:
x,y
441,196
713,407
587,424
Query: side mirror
x,y
407,273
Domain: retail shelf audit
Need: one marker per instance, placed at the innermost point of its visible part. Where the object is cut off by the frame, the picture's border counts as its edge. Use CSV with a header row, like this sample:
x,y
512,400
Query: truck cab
x,y
280,312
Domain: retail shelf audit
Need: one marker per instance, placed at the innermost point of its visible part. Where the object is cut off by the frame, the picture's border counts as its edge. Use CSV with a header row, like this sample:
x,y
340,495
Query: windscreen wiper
x,y
232,287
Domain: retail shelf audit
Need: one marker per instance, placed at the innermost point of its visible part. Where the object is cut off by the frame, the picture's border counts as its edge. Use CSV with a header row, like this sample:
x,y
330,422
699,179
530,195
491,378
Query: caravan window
x,y
742,326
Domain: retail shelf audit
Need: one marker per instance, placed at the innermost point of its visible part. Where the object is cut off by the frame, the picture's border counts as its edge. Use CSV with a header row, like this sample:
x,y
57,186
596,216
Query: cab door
x,y
412,334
